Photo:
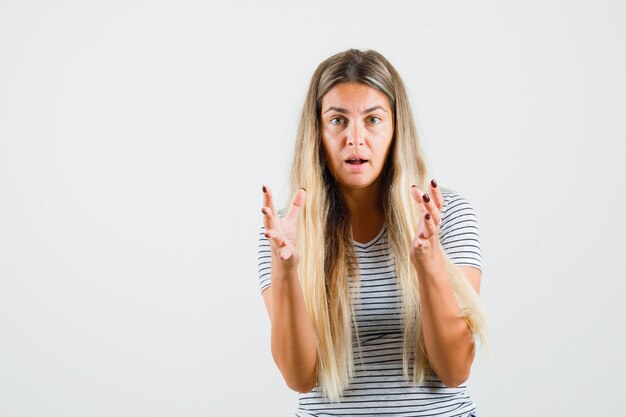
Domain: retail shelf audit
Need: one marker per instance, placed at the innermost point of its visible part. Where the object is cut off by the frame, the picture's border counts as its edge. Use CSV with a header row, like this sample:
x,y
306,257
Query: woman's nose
x,y
355,135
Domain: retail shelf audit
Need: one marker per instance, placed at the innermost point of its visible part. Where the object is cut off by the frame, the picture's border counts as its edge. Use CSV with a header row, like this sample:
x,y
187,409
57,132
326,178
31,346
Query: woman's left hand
x,y
426,251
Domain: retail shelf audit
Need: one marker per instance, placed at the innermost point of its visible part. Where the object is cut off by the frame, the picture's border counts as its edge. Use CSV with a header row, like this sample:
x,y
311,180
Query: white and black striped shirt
x,y
379,387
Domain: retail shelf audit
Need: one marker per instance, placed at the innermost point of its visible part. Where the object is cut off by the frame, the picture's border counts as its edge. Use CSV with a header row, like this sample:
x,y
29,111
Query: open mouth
x,y
356,161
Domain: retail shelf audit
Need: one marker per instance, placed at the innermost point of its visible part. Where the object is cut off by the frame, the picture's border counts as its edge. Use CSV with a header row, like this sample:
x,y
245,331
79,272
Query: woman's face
x,y
357,129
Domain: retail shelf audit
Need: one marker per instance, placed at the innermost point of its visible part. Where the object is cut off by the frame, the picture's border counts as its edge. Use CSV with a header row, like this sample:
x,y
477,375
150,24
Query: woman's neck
x,y
366,211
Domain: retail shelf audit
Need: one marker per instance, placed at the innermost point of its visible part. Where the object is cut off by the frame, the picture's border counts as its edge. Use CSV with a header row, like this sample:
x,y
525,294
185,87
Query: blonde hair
x,y
327,255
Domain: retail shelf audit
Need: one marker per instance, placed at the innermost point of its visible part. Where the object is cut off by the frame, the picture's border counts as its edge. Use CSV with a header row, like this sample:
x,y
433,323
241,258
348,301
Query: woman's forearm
x,y
294,345
448,339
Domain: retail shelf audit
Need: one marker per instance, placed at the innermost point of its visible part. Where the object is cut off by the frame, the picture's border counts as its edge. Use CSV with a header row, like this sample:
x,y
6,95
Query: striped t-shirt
x,y
379,387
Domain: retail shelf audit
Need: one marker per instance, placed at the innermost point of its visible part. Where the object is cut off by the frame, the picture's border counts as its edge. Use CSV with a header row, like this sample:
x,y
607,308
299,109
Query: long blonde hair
x,y
327,255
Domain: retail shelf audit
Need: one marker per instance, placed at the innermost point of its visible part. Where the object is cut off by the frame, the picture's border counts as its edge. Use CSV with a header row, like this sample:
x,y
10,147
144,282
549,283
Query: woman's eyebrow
x,y
340,110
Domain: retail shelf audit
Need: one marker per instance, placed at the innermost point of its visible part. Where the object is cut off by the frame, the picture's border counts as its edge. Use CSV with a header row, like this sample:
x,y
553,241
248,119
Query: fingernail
x,y
267,235
263,210
433,183
427,216
413,186
303,188
264,189
426,198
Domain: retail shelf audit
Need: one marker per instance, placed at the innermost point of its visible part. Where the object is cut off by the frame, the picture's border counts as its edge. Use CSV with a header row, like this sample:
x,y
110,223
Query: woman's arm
x,y
294,344
448,339
294,347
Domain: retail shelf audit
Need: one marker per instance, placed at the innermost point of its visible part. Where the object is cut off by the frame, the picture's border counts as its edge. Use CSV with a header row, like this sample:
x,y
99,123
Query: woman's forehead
x,y
352,97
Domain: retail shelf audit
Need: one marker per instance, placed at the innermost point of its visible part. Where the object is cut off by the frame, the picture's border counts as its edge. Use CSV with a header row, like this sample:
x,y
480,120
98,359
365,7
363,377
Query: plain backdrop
x,y
134,140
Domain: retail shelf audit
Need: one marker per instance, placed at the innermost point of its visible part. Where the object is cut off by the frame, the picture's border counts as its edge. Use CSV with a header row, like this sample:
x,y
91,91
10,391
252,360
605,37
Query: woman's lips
x,y
356,166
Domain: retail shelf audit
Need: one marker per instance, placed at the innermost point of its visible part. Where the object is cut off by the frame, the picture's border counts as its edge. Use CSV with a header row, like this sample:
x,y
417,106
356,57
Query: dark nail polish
x,y
427,216
433,183
264,189
263,210
413,186
267,235
426,198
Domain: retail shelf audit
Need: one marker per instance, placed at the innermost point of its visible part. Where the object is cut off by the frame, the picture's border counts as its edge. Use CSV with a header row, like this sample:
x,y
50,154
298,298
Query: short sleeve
x,y
458,232
265,260
265,257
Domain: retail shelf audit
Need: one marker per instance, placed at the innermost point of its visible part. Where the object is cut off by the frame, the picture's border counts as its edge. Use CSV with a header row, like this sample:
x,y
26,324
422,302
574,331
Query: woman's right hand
x,y
282,233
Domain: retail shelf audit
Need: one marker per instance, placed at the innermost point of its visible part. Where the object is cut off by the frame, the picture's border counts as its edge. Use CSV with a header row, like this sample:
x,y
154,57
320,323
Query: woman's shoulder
x,y
452,197
455,207
458,232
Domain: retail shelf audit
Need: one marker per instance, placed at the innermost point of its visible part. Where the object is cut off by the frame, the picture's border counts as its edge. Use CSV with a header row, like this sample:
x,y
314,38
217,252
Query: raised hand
x,y
282,233
426,250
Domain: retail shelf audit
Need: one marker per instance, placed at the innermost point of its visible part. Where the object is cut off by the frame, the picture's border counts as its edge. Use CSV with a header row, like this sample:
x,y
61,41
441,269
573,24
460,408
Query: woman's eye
x,y
336,120
374,119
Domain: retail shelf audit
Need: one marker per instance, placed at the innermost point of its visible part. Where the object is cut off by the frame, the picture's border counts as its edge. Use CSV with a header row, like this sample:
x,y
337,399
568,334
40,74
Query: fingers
x,y
285,253
431,226
273,225
268,200
273,235
435,193
268,217
296,204
426,204
268,209
421,241
284,250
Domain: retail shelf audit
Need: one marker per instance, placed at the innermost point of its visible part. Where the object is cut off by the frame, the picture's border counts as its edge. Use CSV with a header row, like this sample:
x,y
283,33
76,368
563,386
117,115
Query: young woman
x,y
370,276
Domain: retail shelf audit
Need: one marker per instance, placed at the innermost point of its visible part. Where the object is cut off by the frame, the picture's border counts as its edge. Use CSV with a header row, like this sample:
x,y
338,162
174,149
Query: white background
x,y
134,140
